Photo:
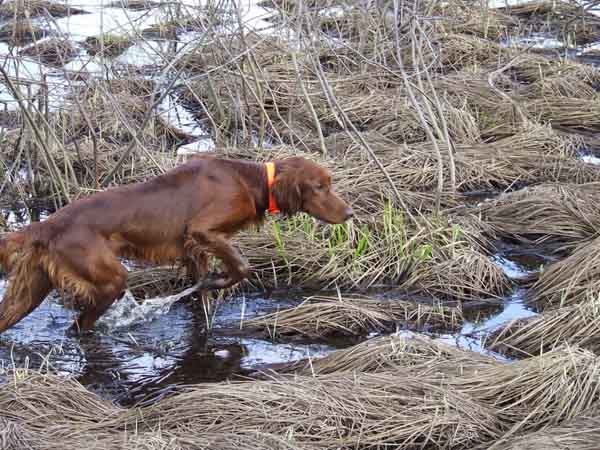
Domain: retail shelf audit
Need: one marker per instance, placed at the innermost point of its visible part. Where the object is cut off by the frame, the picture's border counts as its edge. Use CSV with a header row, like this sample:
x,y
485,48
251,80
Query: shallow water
x,y
517,265
130,360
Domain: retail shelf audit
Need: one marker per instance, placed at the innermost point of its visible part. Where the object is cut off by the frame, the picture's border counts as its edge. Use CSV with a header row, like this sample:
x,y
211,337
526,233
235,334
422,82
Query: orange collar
x,y
270,166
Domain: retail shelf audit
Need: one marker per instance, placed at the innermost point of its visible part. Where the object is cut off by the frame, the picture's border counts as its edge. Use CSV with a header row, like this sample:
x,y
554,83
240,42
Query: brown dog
x,y
184,215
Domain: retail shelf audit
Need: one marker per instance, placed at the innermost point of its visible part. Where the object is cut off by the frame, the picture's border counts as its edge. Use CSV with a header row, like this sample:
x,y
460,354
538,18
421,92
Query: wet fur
x,y
184,215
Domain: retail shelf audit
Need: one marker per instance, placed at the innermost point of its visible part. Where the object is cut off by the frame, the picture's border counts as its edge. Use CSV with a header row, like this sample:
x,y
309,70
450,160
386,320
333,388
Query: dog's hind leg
x,y
92,273
109,284
27,290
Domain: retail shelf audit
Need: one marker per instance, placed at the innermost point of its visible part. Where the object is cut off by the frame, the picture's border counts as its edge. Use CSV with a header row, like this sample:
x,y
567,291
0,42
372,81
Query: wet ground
x,y
144,353
141,352
131,363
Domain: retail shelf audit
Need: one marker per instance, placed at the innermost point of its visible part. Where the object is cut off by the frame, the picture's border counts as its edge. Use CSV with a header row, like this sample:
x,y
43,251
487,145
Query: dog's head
x,y
304,186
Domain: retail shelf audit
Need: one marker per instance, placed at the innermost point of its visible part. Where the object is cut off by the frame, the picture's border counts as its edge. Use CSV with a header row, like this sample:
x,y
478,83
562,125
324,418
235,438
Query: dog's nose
x,y
349,213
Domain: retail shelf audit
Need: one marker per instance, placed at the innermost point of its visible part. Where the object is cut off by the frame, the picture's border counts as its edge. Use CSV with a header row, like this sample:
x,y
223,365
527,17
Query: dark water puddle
x,y
129,363
551,45
473,334
590,157
521,262
178,115
518,265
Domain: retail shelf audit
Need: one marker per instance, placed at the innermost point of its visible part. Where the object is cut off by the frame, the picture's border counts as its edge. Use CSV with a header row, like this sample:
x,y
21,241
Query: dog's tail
x,y
28,280
10,245
4,254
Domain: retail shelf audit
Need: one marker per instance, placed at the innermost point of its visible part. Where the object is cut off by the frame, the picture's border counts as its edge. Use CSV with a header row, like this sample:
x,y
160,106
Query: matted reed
x,y
419,353
556,217
576,325
352,315
570,281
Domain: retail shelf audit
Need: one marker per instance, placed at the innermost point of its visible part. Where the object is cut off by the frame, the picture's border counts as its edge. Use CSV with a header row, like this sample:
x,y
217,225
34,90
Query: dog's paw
x,y
243,271
222,282
75,332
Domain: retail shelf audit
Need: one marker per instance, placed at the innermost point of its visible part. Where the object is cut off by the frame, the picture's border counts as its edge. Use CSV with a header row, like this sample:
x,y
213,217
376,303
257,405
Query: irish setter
x,y
184,215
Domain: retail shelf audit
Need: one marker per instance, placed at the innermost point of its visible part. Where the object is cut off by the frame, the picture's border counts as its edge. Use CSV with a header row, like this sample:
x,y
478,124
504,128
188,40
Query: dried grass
x,y
116,110
527,9
357,177
134,5
20,32
416,407
582,433
14,437
56,52
464,51
422,355
570,281
263,91
96,125
339,410
224,52
538,391
137,167
535,69
170,29
367,26
333,411
473,19
467,275
291,5
497,111
576,325
157,281
33,8
575,114
51,413
568,86
554,217
384,250
536,154
107,44
352,315
569,20
381,252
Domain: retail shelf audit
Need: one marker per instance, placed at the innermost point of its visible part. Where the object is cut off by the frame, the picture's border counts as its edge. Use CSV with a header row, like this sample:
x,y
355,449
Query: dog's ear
x,y
288,192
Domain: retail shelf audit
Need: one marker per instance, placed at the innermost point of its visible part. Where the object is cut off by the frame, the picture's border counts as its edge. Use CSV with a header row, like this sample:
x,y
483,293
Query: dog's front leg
x,y
236,269
200,243
212,230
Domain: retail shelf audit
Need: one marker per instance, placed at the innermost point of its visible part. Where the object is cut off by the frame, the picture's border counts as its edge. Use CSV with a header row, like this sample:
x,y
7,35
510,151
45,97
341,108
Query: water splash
x,y
127,311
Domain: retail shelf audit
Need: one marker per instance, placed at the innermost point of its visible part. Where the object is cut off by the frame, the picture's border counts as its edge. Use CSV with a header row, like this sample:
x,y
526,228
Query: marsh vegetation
x,y
457,310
